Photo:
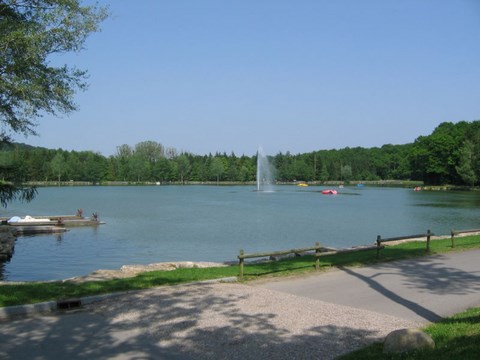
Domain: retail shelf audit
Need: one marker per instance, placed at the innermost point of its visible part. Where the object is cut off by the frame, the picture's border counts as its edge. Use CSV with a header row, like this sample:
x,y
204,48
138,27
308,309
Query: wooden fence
x,y
319,251
379,246
456,232
317,248
322,251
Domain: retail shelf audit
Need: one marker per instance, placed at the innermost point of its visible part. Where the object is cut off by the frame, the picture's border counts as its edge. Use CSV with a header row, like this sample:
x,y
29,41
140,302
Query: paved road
x,y
289,319
423,290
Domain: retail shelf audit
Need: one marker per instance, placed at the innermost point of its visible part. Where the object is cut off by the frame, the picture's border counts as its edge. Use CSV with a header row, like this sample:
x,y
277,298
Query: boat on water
x,y
302,184
329,192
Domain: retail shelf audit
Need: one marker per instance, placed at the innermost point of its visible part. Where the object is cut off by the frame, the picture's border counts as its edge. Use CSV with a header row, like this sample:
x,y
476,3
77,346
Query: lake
x,y
148,224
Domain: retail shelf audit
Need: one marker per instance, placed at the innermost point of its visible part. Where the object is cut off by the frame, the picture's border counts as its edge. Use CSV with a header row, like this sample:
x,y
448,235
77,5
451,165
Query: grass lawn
x,y
27,293
457,337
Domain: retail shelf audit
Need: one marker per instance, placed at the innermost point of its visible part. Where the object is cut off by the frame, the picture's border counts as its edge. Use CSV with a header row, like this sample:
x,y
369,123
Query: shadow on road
x,y
416,308
425,275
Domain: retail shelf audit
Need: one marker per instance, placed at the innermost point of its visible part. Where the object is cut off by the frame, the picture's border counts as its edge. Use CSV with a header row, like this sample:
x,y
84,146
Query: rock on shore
x,y
7,242
133,270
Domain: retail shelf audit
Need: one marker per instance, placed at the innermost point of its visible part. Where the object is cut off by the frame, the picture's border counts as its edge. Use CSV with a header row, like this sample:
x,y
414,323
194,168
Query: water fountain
x,y
264,172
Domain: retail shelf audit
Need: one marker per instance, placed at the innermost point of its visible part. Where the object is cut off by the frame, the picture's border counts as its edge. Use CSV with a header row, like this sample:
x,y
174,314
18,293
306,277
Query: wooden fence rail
x,y
317,248
319,251
322,251
457,232
428,235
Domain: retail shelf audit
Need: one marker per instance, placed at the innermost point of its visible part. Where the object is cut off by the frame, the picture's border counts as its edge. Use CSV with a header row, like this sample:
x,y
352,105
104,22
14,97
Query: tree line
x,y
450,155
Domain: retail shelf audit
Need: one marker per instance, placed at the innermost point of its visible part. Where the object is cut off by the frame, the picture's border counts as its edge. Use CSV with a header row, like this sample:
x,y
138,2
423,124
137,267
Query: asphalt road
x,y
423,290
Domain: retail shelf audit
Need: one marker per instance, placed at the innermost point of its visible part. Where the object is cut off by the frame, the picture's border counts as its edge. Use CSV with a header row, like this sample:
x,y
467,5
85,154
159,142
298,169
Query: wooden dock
x,y
50,224
35,230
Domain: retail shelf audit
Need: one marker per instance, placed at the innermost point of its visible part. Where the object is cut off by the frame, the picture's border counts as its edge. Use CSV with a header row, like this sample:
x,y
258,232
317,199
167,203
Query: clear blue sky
x,y
288,75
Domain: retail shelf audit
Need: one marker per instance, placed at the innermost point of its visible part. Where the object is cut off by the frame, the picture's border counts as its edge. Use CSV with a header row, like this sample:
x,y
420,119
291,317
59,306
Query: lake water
x,y
149,224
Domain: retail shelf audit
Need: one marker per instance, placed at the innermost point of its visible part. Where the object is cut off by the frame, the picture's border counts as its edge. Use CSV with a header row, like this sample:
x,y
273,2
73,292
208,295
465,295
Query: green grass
x,y
457,337
27,293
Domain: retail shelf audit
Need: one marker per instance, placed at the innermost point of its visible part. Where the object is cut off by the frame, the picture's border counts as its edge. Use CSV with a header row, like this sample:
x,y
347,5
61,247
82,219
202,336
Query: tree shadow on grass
x,y
184,322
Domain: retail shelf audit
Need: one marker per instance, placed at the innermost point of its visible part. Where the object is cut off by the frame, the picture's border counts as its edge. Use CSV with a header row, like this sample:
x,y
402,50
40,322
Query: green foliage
x,y
30,33
435,157
217,168
466,167
10,192
450,155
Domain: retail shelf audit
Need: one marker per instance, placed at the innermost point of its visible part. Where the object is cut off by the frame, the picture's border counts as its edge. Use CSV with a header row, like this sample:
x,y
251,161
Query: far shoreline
x,y
374,183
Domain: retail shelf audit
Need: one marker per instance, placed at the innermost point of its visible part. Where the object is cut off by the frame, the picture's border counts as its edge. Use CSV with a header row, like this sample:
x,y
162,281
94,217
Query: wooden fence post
x,y
428,240
453,236
379,244
241,263
317,251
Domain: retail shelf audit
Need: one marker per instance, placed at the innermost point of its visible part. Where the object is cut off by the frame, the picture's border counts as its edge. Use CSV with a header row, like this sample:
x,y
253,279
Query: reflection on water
x,y
454,199
210,223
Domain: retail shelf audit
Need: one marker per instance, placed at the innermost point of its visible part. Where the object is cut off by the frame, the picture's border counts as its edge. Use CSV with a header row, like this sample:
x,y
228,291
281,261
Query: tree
x,y
346,172
216,168
183,167
465,168
11,179
324,172
151,151
58,166
31,32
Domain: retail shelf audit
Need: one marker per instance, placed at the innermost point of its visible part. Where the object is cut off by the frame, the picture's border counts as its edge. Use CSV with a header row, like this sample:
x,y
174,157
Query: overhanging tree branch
x,y
31,32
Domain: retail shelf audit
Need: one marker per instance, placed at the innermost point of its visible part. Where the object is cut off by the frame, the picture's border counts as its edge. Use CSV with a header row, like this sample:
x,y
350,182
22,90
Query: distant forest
x,y
450,155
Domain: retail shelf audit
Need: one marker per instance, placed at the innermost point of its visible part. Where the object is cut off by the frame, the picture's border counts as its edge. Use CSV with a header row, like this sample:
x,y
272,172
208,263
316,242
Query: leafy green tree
x,y
434,157
95,167
324,172
151,151
466,160
123,156
58,166
31,32
138,168
244,174
346,171
183,167
11,179
162,171
217,168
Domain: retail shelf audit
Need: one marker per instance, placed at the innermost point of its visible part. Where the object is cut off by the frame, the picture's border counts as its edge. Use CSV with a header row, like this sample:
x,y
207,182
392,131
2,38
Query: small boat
x,y
329,192
28,221
302,184
417,188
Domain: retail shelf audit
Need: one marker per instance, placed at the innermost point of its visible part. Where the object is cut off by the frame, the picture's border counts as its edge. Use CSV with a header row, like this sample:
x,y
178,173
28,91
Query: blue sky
x,y
288,75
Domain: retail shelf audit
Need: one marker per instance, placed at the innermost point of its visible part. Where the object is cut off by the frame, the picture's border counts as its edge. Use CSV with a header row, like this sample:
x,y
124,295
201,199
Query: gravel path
x,y
198,321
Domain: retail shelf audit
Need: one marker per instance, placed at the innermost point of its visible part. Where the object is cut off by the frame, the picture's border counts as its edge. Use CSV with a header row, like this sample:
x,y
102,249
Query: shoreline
x,y
132,270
